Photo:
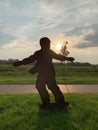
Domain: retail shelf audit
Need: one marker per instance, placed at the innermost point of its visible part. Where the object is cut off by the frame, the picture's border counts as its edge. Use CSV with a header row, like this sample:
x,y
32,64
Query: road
x,y
29,89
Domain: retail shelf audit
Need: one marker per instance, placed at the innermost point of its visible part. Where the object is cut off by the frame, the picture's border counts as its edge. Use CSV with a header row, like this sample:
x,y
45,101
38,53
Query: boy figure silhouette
x,y
46,76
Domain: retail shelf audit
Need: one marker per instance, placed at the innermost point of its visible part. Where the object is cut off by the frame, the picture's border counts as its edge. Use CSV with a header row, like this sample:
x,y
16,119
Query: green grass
x,y
21,112
64,74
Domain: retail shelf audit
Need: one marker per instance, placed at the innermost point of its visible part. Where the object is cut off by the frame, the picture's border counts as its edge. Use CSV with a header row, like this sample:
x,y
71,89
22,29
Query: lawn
x,y
64,74
21,112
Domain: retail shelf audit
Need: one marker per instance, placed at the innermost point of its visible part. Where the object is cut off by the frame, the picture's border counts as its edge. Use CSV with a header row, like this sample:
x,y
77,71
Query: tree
x,y
64,50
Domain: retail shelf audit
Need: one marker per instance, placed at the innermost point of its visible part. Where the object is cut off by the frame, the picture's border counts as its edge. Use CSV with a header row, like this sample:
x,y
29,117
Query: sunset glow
x,y
58,47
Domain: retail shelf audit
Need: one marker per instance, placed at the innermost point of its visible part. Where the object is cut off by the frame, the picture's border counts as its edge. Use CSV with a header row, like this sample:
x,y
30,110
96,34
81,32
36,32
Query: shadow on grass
x,y
81,114
53,120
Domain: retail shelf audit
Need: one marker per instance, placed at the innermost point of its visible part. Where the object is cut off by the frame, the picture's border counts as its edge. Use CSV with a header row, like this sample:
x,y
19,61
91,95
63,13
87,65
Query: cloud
x,y
21,18
18,48
41,13
6,38
88,36
90,39
22,44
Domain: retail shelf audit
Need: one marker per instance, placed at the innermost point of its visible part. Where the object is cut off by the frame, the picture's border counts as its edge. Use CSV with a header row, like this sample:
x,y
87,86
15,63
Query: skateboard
x,y
54,106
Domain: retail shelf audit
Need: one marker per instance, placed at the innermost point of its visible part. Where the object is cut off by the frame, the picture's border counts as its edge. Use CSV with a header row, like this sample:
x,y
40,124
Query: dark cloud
x,y
89,34
74,32
91,40
77,31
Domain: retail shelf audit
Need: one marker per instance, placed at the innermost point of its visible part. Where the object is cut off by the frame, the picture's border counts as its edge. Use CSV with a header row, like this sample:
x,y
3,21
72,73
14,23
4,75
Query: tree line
x,y
11,61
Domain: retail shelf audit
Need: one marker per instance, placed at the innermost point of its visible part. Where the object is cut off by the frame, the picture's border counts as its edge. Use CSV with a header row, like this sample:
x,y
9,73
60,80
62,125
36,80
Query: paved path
x,y
21,89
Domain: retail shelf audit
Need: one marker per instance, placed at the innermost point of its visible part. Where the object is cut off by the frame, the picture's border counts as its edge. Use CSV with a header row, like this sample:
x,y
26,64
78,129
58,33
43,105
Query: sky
x,y
24,22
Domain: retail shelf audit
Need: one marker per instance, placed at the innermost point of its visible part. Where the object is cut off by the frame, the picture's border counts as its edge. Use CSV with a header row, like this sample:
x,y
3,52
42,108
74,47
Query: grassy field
x,y
21,112
64,74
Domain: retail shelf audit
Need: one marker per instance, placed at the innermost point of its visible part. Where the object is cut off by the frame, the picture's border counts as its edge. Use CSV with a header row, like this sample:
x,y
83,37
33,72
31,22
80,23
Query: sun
x,y
58,47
